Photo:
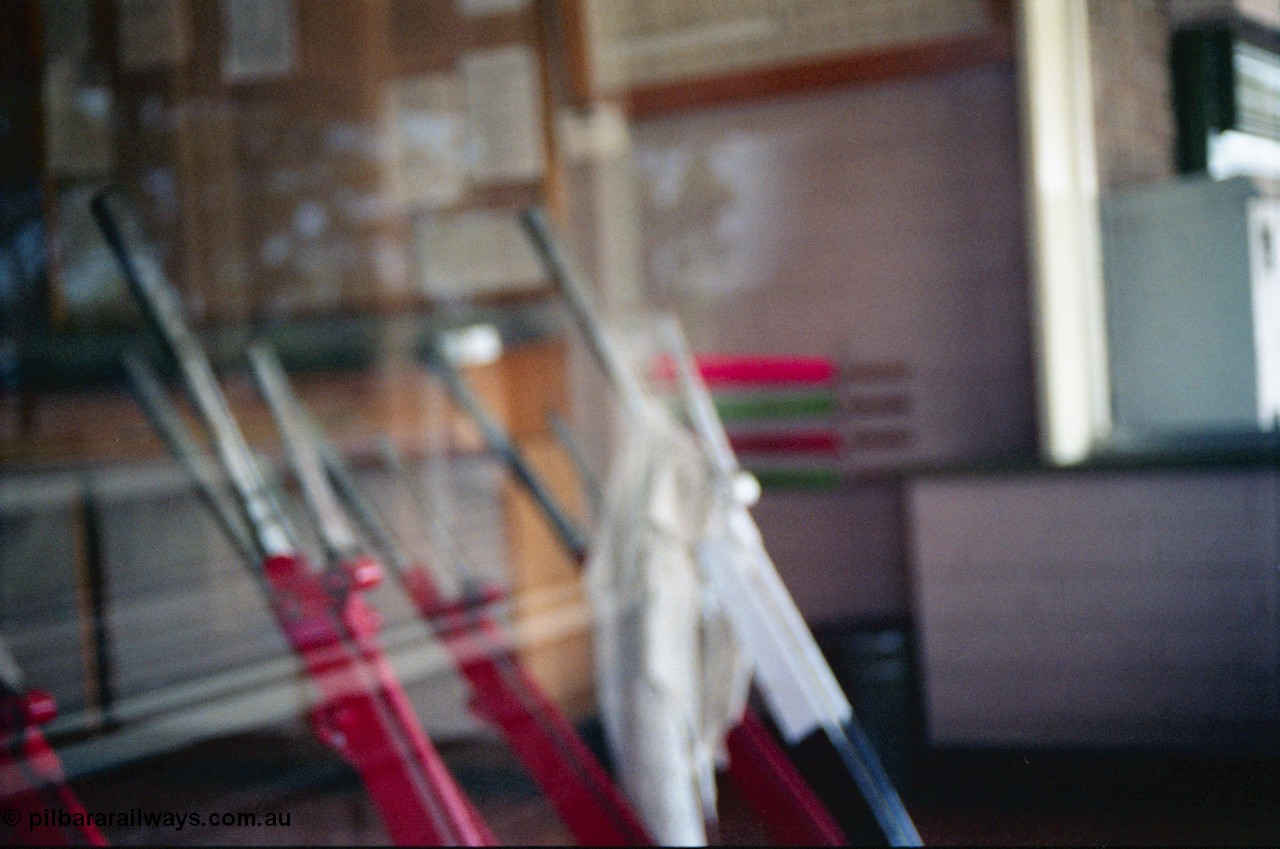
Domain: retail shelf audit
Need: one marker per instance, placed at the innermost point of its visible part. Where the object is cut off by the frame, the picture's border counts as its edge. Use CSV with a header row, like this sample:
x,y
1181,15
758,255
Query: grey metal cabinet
x,y
1193,307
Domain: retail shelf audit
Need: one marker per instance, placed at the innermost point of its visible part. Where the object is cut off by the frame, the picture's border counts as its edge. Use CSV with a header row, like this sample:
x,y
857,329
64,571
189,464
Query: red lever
x,y
33,788
363,573
40,707
365,713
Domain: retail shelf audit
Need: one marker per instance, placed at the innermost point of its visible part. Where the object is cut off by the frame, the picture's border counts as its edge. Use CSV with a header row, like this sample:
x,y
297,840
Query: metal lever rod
x,y
335,532
568,441
326,481
442,538
270,528
568,281
345,555
194,460
543,739
499,443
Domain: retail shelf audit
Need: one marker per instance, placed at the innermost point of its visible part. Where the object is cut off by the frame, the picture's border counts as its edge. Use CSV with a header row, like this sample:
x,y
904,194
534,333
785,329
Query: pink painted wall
x,y
877,223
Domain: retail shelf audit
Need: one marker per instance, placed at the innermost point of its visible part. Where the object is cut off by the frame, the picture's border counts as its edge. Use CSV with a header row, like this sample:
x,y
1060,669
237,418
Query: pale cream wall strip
x,y
1065,239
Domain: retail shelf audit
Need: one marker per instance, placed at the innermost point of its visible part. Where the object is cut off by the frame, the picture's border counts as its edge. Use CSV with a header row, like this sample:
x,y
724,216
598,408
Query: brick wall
x,y
1265,12
1133,111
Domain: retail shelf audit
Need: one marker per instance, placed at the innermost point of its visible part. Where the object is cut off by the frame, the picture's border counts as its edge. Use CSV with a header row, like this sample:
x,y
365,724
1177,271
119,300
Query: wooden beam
x,y
889,63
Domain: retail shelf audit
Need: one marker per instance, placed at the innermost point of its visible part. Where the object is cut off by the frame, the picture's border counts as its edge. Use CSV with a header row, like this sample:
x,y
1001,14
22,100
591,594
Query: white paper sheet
x,y
151,34
474,253
504,114
479,8
428,121
259,39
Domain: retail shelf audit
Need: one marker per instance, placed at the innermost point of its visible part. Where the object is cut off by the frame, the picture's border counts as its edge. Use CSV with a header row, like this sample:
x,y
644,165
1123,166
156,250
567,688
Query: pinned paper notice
x,y
429,132
474,253
504,103
478,8
259,40
152,33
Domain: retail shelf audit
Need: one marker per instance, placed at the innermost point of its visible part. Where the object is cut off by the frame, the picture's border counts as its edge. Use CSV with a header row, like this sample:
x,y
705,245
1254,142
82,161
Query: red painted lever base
x,y
364,712
582,793
39,807
788,808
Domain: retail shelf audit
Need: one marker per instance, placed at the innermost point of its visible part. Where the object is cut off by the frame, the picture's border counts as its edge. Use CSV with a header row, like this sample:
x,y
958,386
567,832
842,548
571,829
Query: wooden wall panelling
x,y
565,27
660,55
354,407
175,145
272,194
550,607
871,66
324,232
551,618
275,193
242,177
424,37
